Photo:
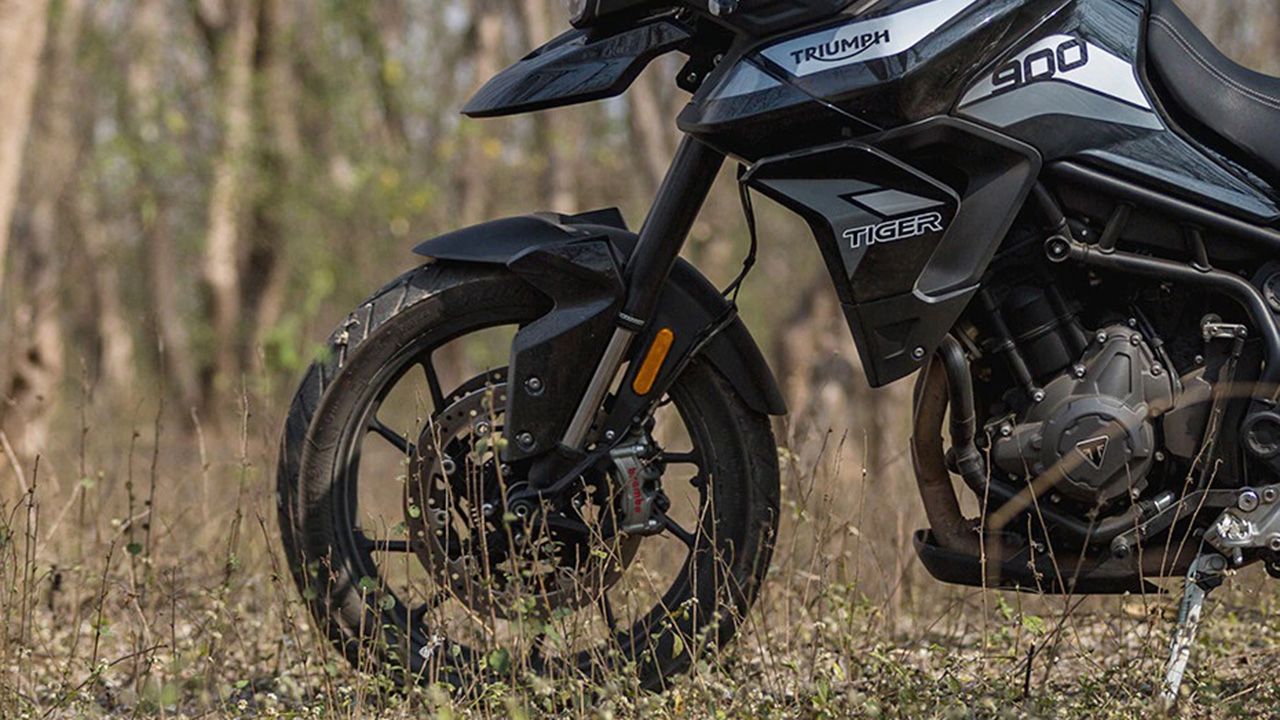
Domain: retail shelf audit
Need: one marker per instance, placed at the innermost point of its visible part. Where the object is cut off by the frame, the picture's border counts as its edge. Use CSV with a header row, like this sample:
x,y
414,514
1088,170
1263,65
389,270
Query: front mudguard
x,y
576,261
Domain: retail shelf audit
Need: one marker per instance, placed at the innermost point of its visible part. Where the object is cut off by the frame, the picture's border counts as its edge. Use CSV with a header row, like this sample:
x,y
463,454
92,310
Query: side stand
x,y
1205,574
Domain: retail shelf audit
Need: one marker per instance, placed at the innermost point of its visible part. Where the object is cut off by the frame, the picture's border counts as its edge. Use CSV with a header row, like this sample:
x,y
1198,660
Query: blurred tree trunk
x,y
379,25
817,366
22,31
651,127
266,275
142,122
559,142
837,420
486,56
233,59
37,369
115,332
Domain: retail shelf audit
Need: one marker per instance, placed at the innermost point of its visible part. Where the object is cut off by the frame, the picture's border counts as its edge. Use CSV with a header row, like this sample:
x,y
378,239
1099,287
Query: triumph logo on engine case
x,y
841,48
894,230
1094,450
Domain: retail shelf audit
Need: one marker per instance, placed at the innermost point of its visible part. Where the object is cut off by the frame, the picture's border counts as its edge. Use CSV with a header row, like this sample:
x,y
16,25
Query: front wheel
x,y
392,499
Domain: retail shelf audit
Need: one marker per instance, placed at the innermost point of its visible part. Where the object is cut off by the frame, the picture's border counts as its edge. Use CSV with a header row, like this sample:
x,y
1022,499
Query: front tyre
x,y
414,567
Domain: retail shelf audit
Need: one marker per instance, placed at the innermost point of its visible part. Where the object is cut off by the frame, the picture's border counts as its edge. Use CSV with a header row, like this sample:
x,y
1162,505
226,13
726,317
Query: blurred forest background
x,y
193,193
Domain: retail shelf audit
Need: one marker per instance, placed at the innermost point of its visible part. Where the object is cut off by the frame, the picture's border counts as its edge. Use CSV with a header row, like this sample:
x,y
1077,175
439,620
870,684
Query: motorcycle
x,y
1062,215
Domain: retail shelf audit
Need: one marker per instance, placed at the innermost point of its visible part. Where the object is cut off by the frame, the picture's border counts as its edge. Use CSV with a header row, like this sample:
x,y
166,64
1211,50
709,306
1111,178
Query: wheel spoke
x,y
385,432
535,649
392,546
389,546
606,608
681,534
418,615
433,384
685,458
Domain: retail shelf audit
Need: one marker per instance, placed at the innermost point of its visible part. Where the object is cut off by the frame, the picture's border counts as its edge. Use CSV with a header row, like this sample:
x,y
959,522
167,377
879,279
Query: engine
x,y
1089,428
1094,428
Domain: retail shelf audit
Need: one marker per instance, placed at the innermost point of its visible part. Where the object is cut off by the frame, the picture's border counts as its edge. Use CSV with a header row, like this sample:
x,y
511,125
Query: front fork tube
x,y
680,198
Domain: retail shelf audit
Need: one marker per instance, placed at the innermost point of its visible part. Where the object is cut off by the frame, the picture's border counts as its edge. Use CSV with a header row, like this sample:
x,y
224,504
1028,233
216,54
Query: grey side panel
x,y
1073,88
1058,98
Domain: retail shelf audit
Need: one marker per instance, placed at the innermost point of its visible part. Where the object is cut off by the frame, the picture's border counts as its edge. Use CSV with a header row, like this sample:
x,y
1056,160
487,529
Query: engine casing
x,y
1094,432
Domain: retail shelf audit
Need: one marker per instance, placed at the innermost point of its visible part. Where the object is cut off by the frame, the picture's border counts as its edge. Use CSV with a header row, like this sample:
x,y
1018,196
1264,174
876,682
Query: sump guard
x,y
905,250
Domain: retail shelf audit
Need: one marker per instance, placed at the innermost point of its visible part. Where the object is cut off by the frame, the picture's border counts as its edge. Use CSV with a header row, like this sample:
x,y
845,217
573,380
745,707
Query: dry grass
x,y
141,578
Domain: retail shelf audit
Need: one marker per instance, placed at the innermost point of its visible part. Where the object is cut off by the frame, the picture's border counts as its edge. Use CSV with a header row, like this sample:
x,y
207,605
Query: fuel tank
x,y
1063,76
876,67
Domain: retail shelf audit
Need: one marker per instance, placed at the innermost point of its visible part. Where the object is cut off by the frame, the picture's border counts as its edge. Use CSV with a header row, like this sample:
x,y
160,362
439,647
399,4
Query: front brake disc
x,y
463,533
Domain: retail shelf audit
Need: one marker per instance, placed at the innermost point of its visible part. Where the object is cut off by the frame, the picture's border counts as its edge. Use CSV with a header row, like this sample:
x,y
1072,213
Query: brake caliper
x,y
639,477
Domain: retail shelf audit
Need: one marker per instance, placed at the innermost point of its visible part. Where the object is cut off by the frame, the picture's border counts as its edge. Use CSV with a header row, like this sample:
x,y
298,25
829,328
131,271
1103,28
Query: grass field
x,y
142,578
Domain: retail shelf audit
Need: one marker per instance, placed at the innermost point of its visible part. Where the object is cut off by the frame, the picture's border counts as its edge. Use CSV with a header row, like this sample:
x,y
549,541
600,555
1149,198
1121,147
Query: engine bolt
x,y
1133,322
1101,337
1248,501
1120,550
918,353
1159,456
1037,396
487,508
483,428
448,465
533,385
525,440
1199,359
1274,543
1269,495
1135,339
1079,371
1155,371
1006,430
610,435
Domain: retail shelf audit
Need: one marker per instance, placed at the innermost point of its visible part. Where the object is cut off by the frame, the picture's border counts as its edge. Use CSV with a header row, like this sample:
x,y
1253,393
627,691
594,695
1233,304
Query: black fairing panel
x,y
576,260
577,67
906,226
765,17
1100,108
912,73
1064,76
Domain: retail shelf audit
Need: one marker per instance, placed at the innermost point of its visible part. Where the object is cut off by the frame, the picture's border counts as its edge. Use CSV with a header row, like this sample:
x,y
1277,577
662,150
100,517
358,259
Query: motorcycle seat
x,y
1239,105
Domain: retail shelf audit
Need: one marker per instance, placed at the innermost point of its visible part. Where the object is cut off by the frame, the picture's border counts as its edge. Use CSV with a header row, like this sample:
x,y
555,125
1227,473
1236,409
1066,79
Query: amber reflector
x,y
653,361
